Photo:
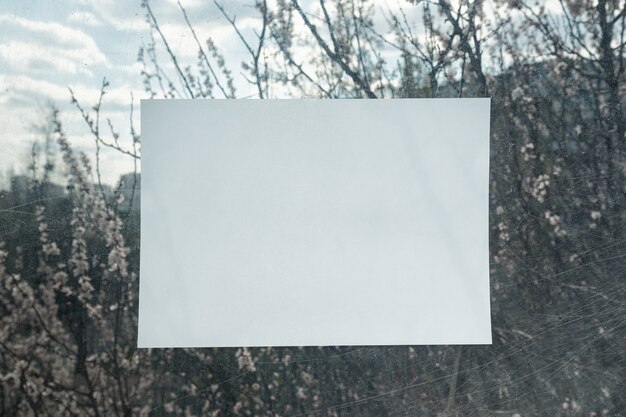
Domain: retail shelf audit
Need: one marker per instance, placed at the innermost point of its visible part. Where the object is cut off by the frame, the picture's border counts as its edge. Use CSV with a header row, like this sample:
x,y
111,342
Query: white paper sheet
x,y
314,222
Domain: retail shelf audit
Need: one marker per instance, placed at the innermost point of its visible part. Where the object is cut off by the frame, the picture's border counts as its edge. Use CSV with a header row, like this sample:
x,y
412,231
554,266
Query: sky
x,y
48,46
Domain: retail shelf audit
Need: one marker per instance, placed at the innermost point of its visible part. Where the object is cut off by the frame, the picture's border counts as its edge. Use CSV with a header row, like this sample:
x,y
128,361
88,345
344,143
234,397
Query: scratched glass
x,y
70,195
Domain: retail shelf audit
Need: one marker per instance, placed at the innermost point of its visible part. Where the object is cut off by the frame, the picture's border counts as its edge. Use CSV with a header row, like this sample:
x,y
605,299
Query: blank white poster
x,y
314,222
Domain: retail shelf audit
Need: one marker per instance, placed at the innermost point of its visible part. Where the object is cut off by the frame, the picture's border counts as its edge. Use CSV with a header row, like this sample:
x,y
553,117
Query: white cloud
x,y
50,32
84,18
180,38
121,15
41,90
42,47
24,56
188,4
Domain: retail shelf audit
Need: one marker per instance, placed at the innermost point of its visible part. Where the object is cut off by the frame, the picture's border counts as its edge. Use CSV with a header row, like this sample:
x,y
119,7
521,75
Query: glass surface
x,y
69,218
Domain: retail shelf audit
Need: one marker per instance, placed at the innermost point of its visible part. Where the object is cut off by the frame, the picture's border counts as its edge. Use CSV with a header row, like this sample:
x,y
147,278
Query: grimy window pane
x,y
70,197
